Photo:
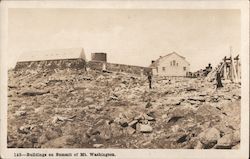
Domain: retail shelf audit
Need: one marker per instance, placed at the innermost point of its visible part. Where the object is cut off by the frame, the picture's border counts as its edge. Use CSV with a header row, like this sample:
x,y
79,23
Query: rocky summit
x,y
95,109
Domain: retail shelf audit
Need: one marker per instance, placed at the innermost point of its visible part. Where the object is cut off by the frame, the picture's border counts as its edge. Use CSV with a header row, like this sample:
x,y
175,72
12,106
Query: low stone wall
x,y
95,65
80,64
98,65
51,64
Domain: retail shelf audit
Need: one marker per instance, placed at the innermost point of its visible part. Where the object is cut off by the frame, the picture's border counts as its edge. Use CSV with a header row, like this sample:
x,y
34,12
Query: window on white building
x,y
174,63
184,68
163,68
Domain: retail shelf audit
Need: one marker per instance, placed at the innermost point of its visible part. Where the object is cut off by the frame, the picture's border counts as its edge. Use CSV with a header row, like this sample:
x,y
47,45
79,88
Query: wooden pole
x,y
234,72
225,69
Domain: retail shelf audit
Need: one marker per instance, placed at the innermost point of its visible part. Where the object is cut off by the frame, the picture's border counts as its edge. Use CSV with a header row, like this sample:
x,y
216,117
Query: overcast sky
x,y
129,36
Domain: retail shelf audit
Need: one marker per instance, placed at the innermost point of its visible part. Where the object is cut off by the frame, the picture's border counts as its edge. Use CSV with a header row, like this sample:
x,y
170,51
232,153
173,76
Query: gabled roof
x,y
56,54
161,57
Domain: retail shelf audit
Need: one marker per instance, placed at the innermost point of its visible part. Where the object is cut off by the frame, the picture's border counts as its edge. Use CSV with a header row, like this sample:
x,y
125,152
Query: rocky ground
x,y
117,110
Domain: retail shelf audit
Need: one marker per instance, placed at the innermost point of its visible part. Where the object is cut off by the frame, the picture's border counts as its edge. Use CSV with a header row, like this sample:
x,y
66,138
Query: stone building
x,y
99,62
99,56
72,58
171,64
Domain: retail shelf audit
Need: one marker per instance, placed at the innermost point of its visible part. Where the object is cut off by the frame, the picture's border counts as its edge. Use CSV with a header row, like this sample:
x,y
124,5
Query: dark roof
x,y
161,57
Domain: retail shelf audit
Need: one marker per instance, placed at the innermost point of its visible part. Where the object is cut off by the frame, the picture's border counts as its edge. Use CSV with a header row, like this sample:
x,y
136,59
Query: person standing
x,y
218,80
150,79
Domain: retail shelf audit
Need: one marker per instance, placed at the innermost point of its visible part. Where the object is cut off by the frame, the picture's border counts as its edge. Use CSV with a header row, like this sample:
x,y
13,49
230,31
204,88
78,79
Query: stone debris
x,y
75,109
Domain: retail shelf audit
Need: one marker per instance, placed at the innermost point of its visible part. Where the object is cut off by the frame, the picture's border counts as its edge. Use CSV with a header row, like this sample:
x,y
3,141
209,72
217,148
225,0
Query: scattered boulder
x,y
130,130
227,141
149,118
174,119
197,98
98,145
209,137
105,131
20,113
58,118
199,145
182,139
236,146
174,101
190,89
139,117
39,110
116,130
24,129
34,92
133,124
42,139
148,104
123,122
52,133
89,100
82,113
144,128
12,86
113,97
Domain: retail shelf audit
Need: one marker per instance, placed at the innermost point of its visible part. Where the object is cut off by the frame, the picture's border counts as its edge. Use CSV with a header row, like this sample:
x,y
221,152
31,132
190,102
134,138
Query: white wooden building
x,y
171,64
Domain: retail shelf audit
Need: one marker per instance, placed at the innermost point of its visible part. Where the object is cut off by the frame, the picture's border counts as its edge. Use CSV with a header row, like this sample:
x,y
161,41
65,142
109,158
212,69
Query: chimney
x,y
153,61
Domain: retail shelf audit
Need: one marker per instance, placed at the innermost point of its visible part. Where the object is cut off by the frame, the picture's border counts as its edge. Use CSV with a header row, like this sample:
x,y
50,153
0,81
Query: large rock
x,y
20,113
98,145
60,142
144,128
116,130
121,120
53,133
227,141
236,146
34,92
149,118
89,100
197,98
105,133
174,101
207,112
236,136
133,123
130,130
209,137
